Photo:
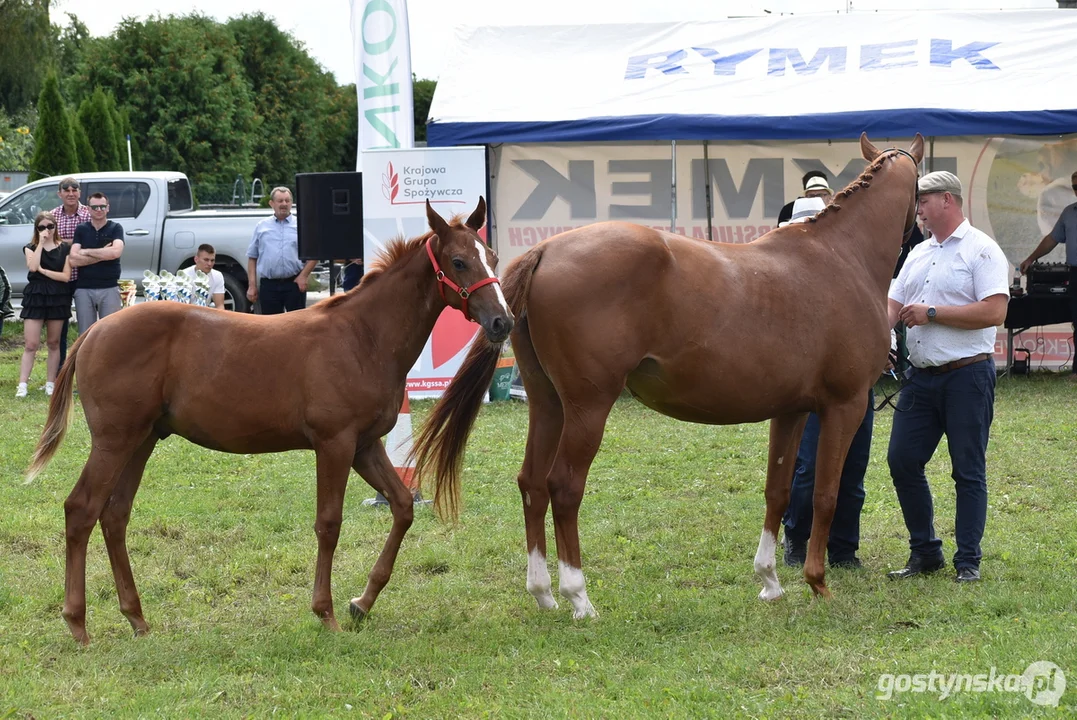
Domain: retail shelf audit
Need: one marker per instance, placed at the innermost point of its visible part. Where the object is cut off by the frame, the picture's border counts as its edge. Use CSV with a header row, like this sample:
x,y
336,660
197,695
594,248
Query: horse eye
x,y
458,264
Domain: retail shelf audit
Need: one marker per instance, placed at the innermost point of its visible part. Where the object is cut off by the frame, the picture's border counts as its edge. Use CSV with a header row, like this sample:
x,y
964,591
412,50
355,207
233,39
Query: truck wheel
x,y
235,294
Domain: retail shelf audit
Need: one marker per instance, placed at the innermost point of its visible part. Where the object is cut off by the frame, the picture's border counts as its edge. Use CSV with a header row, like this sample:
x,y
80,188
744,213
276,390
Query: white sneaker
x,y
20,391
49,388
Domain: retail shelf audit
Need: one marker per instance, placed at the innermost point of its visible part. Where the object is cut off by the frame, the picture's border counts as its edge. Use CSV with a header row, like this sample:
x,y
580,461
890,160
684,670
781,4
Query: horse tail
x,y
440,444
52,435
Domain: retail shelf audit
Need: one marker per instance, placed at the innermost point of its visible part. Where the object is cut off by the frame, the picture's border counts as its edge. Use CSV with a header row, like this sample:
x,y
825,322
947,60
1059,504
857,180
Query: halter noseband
x,y
444,280
916,191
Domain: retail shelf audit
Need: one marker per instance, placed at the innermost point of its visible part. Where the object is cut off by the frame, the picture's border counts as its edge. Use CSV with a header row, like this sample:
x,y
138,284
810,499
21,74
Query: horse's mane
x,y
397,248
862,182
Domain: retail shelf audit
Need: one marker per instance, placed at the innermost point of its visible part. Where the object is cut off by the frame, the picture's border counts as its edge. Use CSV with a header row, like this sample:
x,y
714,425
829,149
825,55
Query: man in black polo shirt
x,y
96,253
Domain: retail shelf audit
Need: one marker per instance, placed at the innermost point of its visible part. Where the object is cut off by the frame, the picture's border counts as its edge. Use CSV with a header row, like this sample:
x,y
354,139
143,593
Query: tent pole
x,y
931,154
707,190
673,187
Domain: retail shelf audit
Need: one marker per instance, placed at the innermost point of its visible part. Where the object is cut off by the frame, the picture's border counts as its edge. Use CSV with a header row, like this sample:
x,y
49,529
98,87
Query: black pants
x,y
1073,313
63,341
277,296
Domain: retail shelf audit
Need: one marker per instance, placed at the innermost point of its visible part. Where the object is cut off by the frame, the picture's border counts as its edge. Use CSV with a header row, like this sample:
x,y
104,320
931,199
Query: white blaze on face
x,y
574,587
490,273
538,580
764,566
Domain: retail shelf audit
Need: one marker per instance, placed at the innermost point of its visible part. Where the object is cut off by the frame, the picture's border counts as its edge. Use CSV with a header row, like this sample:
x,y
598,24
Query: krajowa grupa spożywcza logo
x,y
415,184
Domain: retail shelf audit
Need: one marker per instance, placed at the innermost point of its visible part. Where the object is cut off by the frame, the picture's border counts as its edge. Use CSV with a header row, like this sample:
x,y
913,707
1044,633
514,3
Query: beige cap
x,y
939,181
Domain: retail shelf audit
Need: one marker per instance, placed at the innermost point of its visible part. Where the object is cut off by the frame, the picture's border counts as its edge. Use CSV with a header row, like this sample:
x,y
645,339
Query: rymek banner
x,y
1015,188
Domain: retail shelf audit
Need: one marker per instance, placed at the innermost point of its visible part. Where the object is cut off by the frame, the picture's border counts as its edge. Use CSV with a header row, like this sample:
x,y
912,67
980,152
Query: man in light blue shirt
x,y
274,271
1064,233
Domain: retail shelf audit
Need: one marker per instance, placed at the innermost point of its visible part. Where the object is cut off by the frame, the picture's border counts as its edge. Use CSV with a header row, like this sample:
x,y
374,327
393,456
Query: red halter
x,y
443,280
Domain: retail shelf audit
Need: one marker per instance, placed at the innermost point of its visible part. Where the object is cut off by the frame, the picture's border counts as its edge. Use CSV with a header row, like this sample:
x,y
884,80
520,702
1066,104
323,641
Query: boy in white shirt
x,y
204,260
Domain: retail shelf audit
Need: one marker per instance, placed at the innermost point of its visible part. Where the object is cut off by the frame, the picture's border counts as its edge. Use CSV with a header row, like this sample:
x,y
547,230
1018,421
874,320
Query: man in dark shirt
x,y
1064,233
96,253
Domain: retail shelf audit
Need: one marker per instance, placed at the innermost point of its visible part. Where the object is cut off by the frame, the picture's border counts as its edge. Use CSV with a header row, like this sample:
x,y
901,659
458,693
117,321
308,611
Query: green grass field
x,y
223,552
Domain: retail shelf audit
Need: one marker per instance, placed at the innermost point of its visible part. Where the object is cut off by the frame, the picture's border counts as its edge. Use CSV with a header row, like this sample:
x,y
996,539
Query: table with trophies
x,y
166,286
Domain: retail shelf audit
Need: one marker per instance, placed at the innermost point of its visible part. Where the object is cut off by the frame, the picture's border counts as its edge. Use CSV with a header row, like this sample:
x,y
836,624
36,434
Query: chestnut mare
x,y
706,332
143,374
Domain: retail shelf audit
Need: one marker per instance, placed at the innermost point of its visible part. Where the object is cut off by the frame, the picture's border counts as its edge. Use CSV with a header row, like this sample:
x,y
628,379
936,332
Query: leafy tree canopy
x,y
183,86
26,50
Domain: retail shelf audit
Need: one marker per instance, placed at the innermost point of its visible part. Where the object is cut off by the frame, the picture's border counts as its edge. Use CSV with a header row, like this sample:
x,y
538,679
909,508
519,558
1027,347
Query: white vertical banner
x,y
396,186
382,75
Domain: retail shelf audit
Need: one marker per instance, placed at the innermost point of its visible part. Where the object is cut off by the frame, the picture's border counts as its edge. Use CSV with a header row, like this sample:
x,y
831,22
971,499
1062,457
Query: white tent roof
x,y
797,77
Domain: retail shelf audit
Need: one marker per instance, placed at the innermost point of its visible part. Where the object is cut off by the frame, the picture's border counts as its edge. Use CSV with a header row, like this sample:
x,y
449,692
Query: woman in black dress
x,y
46,299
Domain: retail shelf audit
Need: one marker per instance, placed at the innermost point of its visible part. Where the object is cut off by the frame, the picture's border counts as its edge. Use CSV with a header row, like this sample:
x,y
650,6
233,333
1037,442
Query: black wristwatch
x,y
931,313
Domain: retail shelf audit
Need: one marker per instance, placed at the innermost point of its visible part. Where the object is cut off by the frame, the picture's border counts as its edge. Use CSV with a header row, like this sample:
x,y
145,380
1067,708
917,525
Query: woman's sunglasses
x,y
43,228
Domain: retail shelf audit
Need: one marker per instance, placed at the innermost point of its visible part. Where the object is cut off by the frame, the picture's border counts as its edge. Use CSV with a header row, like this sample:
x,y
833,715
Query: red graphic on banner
x,y
390,184
452,333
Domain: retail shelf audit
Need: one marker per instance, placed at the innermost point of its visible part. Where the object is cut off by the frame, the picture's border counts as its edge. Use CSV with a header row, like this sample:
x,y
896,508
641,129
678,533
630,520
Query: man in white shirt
x,y
951,294
204,260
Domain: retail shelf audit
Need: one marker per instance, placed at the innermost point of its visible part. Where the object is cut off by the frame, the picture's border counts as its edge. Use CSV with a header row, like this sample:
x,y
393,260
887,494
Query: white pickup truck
x,y
162,230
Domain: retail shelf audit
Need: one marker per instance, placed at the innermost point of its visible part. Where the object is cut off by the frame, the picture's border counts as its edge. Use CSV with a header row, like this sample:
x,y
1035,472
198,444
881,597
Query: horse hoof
x,y
821,591
77,628
587,612
771,594
356,612
139,625
545,600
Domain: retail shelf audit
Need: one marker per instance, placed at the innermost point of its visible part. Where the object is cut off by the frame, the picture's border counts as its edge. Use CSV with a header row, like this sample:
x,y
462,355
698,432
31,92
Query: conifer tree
x,y
54,144
83,148
117,128
97,122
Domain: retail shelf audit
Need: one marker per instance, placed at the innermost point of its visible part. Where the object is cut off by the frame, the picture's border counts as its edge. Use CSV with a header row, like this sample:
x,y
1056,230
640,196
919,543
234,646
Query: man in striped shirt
x,y
69,215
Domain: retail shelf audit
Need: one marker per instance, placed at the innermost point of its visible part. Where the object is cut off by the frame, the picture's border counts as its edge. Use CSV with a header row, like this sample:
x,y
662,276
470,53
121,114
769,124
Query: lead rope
x,y
888,400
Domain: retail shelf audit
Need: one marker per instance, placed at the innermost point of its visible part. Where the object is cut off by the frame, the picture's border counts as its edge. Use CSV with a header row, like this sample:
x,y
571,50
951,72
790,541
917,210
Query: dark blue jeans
x,y
844,538
961,404
278,296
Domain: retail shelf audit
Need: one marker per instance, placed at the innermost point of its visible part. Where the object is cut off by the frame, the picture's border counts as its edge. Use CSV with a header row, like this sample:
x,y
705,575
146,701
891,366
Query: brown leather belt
x,y
957,364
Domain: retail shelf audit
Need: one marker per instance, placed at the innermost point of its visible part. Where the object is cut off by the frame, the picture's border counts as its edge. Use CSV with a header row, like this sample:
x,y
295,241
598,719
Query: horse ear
x,y
478,218
437,223
917,148
869,151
